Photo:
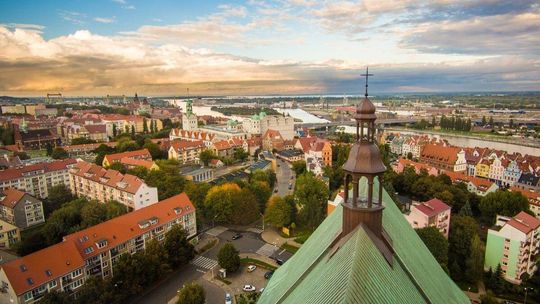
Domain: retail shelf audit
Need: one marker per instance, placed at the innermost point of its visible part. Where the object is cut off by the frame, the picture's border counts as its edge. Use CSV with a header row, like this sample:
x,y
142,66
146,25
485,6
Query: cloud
x,y
105,20
120,1
72,17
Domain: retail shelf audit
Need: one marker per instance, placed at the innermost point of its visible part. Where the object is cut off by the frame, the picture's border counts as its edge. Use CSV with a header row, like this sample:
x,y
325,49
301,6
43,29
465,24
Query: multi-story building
x,y
9,235
180,134
110,159
402,163
189,119
320,149
496,170
104,185
482,168
92,251
20,209
445,158
259,124
528,181
477,185
433,213
534,200
514,246
9,161
224,147
272,139
38,139
85,149
96,132
37,179
396,145
186,151
511,174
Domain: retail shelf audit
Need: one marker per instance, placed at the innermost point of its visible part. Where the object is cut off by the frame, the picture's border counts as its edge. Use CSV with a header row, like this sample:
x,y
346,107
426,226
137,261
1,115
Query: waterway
x,y
461,141
302,115
206,110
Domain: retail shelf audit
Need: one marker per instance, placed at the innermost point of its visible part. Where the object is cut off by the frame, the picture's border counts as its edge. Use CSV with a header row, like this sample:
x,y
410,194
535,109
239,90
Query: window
x,y
28,296
88,250
76,273
52,284
102,243
30,281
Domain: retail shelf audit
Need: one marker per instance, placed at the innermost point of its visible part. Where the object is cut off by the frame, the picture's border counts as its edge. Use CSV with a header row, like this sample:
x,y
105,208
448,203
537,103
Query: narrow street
x,y
284,174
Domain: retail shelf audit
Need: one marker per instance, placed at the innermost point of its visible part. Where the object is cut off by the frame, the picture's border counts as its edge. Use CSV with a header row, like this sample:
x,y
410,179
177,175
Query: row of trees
x,y
239,155
6,136
133,273
455,123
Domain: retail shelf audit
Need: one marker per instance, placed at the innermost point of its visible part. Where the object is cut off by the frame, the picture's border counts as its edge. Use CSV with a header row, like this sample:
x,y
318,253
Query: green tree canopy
x,y
58,195
502,203
475,260
229,258
279,212
240,154
59,153
436,243
82,141
262,192
206,156
311,195
179,250
299,167
191,293
462,231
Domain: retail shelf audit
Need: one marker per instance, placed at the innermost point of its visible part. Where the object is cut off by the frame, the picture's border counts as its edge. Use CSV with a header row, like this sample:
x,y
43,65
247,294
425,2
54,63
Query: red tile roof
x,y
481,183
305,142
10,197
130,154
524,222
440,153
70,255
137,162
181,145
531,195
16,173
112,178
432,207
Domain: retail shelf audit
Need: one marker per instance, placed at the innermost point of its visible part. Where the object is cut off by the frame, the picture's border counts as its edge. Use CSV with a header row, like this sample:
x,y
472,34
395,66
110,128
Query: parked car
x,y
228,299
249,288
280,261
268,274
261,290
251,268
236,236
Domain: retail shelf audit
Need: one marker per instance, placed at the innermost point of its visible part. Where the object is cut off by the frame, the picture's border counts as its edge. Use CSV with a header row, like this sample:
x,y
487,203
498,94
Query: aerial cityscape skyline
x,y
267,47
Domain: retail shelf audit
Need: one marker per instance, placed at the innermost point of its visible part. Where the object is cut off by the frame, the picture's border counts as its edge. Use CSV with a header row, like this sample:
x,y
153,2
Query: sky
x,y
254,47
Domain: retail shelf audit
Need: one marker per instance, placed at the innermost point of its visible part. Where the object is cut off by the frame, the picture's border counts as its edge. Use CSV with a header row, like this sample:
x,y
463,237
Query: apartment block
x,y
102,184
92,251
110,159
513,246
186,151
433,213
37,179
9,235
20,209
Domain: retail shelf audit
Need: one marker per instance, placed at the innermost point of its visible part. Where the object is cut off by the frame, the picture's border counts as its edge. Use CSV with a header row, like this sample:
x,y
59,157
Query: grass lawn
x,y
260,263
290,248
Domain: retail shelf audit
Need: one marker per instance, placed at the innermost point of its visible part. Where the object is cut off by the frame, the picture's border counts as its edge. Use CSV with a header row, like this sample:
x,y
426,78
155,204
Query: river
x,y
205,110
481,143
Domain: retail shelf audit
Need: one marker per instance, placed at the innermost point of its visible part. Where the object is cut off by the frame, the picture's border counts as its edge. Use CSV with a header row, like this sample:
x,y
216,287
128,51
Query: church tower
x,y
364,162
189,119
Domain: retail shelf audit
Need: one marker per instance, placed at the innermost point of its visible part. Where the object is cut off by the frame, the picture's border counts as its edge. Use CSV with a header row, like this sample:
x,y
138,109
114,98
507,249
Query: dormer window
x,y
144,224
178,210
153,221
101,243
88,250
30,281
48,272
23,268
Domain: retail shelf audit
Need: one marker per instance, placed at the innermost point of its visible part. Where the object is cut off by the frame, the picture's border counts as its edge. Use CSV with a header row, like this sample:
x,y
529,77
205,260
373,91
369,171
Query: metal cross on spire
x,y
367,74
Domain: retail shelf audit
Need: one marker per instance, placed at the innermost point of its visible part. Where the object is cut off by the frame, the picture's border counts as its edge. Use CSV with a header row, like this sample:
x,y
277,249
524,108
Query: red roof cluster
x,y
432,207
139,154
524,222
112,178
10,197
16,173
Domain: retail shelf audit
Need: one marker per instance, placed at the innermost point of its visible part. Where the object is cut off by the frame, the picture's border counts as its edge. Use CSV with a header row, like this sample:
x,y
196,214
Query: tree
x,y
56,297
118,167
279,212
206,156
145,126
179,251
409,155
82,141
311,195
262,192
191,293
6,136
462,231
268,176
93,213
132,130
153,148
126,144
488,298
511,124
114,209
228,258
22,155
502,203
436,243
114,130
475,261
299,167
58,195
240,154
466,210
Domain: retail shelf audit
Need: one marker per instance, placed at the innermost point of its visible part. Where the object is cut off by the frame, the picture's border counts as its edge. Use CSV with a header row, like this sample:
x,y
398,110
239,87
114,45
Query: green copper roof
x,y
358,273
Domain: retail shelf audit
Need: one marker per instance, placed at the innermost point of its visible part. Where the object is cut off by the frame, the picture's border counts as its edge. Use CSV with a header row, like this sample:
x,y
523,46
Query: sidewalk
x,y
271,236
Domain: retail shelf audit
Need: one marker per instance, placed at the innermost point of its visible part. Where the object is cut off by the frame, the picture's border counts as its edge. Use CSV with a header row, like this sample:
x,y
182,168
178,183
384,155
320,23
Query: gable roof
x,y
143,153
137,162
180,145
440,153
432,207
10,197
357,272
16,173
111,178
524,222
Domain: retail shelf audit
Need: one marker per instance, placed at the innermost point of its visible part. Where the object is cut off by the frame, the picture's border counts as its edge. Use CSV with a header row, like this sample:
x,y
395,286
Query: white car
x,y
249,288
228,299
251,268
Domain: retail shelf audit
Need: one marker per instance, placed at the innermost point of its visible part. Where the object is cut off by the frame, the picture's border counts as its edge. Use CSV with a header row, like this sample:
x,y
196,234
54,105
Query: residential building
x,y
92,251
104,185
528,181
271,140
482,168
199,175
96,132
180,134
84,150
9,161
131,163
445,158
261,164
223,148
9,234
511,174
396,146
110,159
477,185
496,170
364,251
402,163
291,155
189,119
20,209
37,179
320,149
186,151
513,246
433,213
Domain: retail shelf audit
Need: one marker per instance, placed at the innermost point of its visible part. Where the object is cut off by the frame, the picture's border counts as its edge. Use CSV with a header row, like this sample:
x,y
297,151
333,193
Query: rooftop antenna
x,y
367,74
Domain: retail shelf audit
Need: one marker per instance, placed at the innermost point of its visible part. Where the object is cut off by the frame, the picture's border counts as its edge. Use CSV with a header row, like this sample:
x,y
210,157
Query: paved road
x,y
284,174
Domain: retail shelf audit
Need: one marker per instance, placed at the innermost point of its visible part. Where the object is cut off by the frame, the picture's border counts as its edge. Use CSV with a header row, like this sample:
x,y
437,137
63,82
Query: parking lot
x,y
243,277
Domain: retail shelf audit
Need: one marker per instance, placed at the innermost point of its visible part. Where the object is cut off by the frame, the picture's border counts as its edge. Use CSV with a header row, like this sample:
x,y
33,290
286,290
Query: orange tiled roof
x,y
180,145
16,173
70,255
137,162
112,178
10,197
531,195
439,153
130,154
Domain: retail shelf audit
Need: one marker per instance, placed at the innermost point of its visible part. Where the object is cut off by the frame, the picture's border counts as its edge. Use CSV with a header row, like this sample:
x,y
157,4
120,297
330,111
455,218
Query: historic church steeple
x,y
364,162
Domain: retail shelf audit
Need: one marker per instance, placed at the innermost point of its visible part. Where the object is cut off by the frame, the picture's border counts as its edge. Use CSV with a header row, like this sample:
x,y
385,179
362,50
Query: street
x,y
284,174
250,242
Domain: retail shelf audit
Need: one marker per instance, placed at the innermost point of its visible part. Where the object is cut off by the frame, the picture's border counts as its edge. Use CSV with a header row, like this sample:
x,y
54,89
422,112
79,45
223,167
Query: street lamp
x,y
527,289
